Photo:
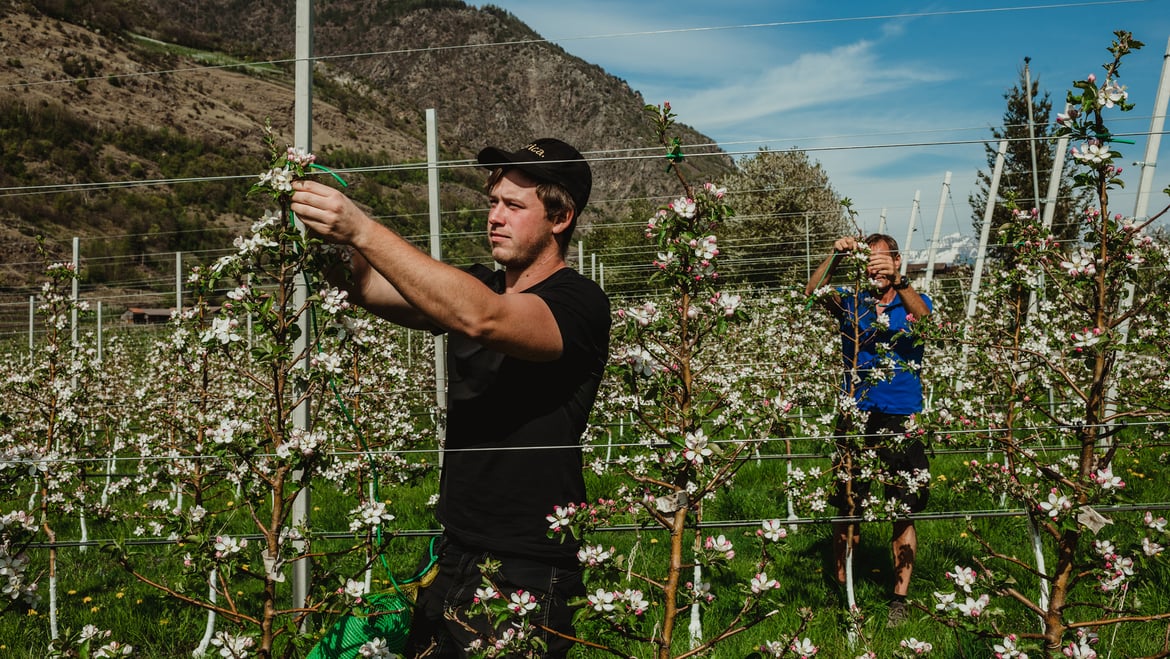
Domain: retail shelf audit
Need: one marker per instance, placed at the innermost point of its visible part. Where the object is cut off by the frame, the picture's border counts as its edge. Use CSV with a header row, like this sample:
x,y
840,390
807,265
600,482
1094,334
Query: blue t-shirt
x,y
895,387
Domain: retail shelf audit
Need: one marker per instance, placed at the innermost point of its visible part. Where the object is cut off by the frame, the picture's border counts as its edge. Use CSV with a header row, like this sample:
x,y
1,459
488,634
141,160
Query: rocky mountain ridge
x,y
102,97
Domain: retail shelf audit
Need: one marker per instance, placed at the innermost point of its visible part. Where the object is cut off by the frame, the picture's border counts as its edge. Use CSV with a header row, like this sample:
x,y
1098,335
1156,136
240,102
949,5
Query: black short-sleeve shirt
x,y
514,426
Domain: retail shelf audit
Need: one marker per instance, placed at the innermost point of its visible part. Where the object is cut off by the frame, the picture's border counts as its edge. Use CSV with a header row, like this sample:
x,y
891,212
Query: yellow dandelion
x,y
119,595
32,612
942,478
653,541
71,592
963,534
86,600
164,621
94,609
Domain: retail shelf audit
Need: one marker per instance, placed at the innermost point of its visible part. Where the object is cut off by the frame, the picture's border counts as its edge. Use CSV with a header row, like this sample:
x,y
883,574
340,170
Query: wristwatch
x,y
902,284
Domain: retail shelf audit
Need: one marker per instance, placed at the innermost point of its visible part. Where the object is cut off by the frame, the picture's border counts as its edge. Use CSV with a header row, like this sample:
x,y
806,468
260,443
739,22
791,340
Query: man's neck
x,y
518,280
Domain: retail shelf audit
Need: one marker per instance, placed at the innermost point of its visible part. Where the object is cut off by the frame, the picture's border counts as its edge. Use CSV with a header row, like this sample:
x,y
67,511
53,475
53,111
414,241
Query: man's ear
x,y
562,223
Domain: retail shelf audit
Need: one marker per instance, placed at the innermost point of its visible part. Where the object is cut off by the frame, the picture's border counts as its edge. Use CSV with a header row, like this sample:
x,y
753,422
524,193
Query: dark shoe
x,y
898,614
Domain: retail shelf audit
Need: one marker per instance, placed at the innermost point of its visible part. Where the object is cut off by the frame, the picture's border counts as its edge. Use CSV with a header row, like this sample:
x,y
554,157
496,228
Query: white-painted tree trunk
x,y
850,594
209,630
53,633
695,629
1038,551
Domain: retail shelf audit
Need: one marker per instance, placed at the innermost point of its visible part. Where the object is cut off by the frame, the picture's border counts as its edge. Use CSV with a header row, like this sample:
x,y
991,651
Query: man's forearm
x,y
822,274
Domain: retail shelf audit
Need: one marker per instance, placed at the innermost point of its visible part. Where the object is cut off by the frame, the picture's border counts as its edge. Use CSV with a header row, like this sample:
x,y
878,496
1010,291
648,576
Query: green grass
x,y
93,590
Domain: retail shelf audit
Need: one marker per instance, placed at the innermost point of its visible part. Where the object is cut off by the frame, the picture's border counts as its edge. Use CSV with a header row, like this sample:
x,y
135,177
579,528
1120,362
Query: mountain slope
x,y
130,92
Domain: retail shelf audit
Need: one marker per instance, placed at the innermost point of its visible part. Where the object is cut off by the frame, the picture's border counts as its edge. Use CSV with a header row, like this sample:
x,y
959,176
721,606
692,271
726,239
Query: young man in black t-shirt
x,y
527,348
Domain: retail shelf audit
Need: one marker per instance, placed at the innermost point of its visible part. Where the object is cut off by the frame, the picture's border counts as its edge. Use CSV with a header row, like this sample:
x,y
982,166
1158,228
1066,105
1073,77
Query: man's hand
x,y
328,213
882,265
845,244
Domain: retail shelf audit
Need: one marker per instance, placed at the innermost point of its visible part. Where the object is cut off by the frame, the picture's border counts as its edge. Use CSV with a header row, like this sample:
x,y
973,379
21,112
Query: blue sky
x,y
832,77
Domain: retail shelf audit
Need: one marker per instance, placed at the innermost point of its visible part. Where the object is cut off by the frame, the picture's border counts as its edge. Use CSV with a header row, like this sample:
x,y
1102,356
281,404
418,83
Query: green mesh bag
x,y
383,615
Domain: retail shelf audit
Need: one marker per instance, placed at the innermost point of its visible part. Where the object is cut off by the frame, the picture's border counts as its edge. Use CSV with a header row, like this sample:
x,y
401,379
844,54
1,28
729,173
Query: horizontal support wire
x,y
643,528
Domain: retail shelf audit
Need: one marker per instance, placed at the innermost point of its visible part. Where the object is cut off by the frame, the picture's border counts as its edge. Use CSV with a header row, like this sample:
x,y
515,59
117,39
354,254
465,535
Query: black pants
x,y
445,622
885,434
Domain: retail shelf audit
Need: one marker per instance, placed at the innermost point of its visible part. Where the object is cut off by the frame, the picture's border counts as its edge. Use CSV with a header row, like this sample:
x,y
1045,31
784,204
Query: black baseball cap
x,y
547,160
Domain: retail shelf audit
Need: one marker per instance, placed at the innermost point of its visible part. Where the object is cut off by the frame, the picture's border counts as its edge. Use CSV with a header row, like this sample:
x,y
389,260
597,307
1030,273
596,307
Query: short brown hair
x,y
891,244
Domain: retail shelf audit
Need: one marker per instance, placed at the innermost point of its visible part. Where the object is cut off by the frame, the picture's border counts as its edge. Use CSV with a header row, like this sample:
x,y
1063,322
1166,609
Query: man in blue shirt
x,y
881,361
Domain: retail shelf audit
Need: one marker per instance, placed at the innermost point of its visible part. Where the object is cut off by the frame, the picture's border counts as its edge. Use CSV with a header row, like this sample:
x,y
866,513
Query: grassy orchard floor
x,y
92,590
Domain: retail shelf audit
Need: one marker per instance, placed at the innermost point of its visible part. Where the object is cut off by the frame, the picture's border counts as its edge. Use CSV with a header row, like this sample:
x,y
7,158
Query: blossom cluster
x,y
618,603
369,516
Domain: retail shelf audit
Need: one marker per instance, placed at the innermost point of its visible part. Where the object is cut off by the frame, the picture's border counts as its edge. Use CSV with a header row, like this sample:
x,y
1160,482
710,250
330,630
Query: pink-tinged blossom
x,y
964,577
1056,504
705,248
278,178
1108,481
225,545
1151,548
665,260
333,300
354,590
594,555
1111,93
223,331
376,648
1086,338
1080,264
761,583
946,601
655,220
774,648
1007,649
522,603
1158,524
299,156
113,649
635,601
485,594
804,648
772,530
973,608
1082,647
561,517
645,314
714,191
722,545
641,362
231,645
602,601
1092,153
697,449
728,303
683,207
916,646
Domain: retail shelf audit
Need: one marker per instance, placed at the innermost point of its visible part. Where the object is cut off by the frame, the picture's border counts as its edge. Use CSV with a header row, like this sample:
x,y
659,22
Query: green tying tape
x,y
329,172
